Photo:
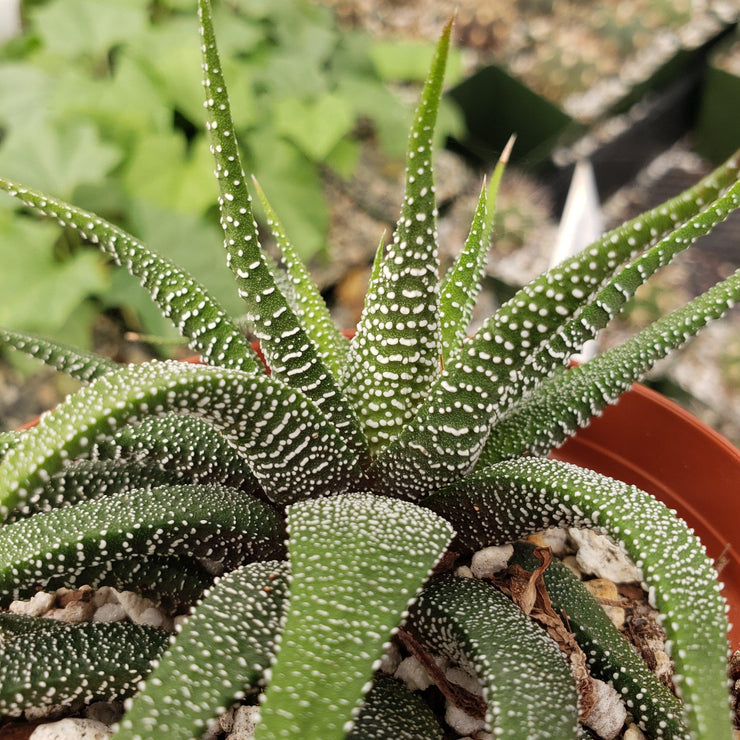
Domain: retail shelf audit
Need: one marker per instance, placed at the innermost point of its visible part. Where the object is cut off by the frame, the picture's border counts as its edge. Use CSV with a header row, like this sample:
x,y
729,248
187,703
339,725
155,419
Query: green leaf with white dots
x,y
46,662
196,314
224,649
446,437
396,352
356,562
610,657
609,301
289,351
462,283
527,683
63,546
76,363
507,501
557,408
288,461
8,440
392,712
331,345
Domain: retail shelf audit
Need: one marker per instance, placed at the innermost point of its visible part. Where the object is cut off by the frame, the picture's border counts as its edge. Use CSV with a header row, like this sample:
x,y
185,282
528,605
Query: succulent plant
x,y
324,493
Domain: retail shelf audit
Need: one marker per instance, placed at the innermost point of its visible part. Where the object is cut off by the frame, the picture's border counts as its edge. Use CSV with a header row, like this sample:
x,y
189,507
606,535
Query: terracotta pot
x,y
649,441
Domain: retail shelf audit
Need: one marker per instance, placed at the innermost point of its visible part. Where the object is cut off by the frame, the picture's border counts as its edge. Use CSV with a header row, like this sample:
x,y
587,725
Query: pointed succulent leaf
x,y
46,662
288,462
195,313
356,562
557,408
331,345
462,283
395,354
87,479
610,657
393,712
507,501
611,299
224,649
167,449
55,548
8,440
84,366
445,439
527,683
291,355
186,445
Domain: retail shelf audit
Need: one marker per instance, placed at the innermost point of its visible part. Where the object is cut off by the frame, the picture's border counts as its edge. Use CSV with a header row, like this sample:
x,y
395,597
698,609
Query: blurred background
x,y
100,104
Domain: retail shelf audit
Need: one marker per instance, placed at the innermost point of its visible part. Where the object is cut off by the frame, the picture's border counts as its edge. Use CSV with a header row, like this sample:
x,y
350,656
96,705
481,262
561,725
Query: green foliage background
x,y
100,105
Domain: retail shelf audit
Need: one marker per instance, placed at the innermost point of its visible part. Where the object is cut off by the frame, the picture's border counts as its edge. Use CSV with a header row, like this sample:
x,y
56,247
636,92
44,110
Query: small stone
x,y
633,732
245,722
104,595
598,555
75,612
465,680
66,596
226,720
463,572
490,560
72,729
36,606
556,538
139,609
608,714
602,589
54,711
106,712
462,722
152,617
571,563
109,613
391,659
413,674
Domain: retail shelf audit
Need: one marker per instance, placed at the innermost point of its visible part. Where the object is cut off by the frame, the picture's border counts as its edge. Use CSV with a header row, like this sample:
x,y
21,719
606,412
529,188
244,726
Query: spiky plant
x,y
327,491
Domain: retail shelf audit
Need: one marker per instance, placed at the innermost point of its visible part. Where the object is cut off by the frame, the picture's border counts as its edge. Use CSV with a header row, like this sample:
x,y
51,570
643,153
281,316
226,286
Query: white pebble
x,y
72,729
461,722
465,680
413,674
463,572
109,613
245,722
39,604
490,560
597,554
391,659
633,732
609,713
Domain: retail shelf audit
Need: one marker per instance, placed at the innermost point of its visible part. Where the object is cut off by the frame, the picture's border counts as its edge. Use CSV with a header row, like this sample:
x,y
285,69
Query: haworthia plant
x,y
369,455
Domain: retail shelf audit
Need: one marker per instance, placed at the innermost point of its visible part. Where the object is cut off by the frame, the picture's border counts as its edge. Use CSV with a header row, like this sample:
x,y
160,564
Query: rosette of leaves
x,y
332,485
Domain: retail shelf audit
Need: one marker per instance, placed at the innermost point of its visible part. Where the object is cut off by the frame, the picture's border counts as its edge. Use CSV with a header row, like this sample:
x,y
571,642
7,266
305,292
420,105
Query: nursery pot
x,y
648,441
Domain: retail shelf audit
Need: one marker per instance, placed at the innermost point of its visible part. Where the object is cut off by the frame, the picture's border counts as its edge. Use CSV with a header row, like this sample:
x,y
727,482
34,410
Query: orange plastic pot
x,y
649,441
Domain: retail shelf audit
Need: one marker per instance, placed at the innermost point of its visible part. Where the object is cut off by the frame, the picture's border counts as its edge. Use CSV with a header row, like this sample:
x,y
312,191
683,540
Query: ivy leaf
x,y
88,28
57,159
31,276
314,126
165,170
